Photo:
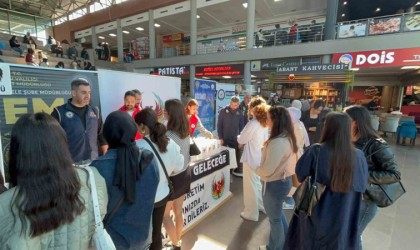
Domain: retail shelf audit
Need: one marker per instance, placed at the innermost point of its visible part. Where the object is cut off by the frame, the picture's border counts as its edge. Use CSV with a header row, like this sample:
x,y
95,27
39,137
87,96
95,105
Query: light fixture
x,y
157,25
126,32
418,3
198,16
253,76
101,37
112,34
205,77
245,5
139,28
411,67
226,77
378,9
345,3
343,15
278,0
355,69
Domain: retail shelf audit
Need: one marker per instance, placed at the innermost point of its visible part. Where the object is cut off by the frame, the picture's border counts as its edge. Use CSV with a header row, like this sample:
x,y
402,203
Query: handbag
x,y
170,184
194,150
100,237
309,192
383,195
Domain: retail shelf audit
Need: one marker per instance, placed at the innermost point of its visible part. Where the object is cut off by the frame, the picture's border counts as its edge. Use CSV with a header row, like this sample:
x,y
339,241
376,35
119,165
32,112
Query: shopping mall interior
x,y
343,52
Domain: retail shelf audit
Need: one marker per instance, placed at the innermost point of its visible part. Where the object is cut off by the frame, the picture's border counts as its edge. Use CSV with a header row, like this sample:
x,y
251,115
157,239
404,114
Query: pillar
x,y
193,23
152,36
120,41
331,19
192,77
94,43
250,26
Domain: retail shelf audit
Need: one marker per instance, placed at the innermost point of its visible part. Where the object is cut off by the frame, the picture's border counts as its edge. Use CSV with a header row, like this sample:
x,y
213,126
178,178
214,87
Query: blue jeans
x,y
367,212
275,193
18,49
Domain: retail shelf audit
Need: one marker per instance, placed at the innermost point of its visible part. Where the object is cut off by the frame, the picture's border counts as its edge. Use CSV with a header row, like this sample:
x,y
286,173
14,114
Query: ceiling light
x,y
355,69
277,0
343,15
378,9
198,16
411,67
112,35
226,77
101,37
245,5
157,25
418,3
126,32
345,3
139,28
253,76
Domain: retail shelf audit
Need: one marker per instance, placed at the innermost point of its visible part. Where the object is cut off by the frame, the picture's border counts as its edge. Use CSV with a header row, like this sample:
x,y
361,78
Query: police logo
x,y
92,114
69,114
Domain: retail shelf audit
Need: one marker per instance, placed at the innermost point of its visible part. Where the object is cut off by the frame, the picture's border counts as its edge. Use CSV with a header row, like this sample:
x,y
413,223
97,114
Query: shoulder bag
x,y
383,195
309,192
101,238
171,187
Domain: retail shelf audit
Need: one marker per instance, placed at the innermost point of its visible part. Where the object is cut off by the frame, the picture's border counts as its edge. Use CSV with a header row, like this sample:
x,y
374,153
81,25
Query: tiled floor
x,y
394,228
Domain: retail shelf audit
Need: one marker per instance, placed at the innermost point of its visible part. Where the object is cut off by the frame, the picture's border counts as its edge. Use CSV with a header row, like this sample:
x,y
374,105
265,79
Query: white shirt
x,y
253,136
173,160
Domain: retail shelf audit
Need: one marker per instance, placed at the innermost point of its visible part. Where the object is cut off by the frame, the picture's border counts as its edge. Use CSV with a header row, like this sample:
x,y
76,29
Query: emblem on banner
x,y
69,114
192,125
218,186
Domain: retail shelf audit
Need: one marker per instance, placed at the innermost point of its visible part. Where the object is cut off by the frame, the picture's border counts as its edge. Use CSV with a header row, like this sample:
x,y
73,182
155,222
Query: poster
x,y
225,91
384,25
5,82
412,22
210,186
36,89
204,93
155,90
352,30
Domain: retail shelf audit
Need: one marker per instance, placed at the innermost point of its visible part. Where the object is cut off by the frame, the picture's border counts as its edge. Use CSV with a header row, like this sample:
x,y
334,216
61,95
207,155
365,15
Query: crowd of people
x,y
141,173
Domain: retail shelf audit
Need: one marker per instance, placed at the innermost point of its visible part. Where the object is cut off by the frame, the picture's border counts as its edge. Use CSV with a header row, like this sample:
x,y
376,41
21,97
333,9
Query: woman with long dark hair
x,y
132,177
313,119
49,204
154,133
342,168
278,162
381,162
195,123
253,137
178,131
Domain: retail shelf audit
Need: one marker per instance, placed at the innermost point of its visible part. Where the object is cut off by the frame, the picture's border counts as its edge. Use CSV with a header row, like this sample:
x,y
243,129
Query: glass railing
x,y
406,22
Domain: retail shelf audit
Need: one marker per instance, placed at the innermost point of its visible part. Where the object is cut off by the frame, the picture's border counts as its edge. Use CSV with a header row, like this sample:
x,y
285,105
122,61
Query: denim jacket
x,y
130,226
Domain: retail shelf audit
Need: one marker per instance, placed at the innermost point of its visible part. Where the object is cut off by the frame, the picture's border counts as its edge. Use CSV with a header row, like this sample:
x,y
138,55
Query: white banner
x,y
155,90
5,81
210,186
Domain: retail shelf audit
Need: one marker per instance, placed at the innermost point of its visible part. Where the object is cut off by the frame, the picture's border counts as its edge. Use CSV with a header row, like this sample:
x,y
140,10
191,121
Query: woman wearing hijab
x,y
156,140
131,177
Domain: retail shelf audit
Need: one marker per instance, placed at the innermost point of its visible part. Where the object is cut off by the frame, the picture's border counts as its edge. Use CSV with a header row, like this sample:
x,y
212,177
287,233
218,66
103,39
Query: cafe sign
x,y
312,69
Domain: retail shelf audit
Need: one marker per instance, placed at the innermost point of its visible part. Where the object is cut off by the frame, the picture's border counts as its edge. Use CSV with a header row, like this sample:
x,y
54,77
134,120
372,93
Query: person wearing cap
x,y
82,123
229,126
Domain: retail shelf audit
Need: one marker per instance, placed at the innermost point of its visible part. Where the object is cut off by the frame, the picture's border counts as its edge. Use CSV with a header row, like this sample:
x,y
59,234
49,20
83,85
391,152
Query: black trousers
x,y
157,220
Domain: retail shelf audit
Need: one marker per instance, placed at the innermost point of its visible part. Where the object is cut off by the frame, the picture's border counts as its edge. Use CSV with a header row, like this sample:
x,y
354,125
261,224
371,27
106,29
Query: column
x,y
331,19
120,42
94,44
152,36
192,77
326,59
250,26
193,23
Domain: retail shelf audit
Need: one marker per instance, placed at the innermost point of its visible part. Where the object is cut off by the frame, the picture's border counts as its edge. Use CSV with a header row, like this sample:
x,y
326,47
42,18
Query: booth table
x,y
210,186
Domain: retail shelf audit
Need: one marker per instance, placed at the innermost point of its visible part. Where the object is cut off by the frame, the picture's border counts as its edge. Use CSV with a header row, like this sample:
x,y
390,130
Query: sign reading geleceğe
x,y
312,69
380,58
209,187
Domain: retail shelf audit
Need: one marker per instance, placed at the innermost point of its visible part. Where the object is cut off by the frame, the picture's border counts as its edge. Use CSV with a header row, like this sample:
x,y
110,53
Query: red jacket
x,y
136,110
193,124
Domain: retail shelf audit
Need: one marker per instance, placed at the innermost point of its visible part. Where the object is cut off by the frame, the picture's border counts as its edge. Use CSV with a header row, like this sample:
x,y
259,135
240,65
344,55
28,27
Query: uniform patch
x,y
69,114
92,114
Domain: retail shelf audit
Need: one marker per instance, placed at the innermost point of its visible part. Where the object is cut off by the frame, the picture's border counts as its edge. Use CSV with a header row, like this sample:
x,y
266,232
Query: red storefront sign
x,y
220,70
380,58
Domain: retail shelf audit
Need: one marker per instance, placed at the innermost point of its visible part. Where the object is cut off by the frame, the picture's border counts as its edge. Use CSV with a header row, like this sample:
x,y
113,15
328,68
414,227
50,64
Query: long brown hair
x,y
363,128
177,119
282,126
192,102
337,136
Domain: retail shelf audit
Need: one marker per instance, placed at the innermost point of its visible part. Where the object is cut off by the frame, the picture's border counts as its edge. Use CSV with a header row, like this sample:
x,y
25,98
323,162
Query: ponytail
x,y
158,136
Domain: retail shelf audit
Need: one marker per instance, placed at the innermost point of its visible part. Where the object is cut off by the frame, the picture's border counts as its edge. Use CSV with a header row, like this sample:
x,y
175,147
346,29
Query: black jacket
x,y
381,162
